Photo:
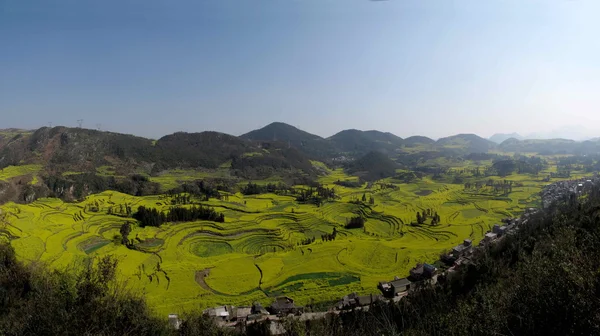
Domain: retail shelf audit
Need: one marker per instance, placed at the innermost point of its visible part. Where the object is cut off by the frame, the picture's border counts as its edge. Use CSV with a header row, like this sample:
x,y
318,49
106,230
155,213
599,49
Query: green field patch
x,y
151,243
210,248
92,244
298,281
9,172
343,280
472,213
424,192
313,276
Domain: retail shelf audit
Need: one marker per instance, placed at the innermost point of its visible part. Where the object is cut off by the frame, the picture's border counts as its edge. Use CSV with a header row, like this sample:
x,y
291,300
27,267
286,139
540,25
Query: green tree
x,y
125,231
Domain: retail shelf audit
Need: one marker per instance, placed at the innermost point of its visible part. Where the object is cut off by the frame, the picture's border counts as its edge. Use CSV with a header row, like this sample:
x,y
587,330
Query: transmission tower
x,y
99,127
80,122
50,124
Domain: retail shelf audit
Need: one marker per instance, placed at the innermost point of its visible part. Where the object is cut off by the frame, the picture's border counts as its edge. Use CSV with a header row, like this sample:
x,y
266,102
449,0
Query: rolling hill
x,y
500,137
310,144
62,149
418,140
547,146
358,143
372,166
467,142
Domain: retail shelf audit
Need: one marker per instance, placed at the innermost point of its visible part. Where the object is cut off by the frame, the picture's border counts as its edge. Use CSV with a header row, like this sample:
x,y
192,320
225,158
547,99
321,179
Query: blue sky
x,y
434,68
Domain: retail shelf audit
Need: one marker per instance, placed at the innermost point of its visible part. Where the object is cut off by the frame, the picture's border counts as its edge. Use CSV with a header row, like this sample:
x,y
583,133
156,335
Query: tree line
x,y
426,214
154,217
356,222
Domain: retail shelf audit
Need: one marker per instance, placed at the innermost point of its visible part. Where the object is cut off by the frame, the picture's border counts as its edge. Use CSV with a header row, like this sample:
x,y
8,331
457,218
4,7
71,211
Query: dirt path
x,y
200,275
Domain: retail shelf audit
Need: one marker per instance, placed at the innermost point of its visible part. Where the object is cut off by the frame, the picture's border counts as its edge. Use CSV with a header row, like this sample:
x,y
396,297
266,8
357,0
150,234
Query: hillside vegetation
x,y
358,143
468,142
310,144
373,166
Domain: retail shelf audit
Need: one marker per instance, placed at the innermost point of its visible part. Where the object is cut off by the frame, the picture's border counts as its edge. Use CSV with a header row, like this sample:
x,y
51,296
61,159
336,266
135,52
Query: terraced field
x,y
256,253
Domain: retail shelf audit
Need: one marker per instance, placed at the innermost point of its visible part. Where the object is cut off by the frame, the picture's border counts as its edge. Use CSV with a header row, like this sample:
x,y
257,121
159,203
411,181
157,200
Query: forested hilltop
x,y
541,281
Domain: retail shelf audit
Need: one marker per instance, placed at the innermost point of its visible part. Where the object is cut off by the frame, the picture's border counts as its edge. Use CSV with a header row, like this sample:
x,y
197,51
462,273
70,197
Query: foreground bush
x,y
36,301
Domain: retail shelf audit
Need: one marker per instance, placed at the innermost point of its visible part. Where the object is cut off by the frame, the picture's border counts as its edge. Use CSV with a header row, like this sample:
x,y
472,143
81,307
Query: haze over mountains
x,y
570,132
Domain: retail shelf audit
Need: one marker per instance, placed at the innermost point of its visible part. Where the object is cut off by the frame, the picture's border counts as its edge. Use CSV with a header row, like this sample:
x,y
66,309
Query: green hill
x,y
62,149
470,143
501,137
418,140
310,144
373,166
361,142
545,146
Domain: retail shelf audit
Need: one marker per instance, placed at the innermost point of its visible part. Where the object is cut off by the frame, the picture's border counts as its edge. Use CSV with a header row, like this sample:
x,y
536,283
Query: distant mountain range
x,y
277,146
576,133
501,137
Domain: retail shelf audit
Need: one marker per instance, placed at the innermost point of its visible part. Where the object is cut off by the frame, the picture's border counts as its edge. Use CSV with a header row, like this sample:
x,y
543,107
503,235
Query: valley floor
x,y
256,254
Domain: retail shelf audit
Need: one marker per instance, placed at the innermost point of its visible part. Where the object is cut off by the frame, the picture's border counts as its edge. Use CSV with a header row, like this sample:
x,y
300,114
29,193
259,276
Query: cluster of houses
x,y
399,287
565,189
282,306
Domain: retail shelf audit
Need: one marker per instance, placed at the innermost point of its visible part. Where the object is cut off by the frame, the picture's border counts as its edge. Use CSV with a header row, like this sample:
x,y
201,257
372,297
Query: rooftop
x,y
400,282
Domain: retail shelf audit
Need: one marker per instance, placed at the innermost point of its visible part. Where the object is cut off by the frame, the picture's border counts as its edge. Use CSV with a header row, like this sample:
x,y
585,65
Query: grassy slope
x,y
16,171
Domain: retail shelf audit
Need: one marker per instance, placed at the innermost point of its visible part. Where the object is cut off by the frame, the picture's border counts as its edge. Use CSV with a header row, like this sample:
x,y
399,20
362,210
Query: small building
x,y
284,306
174,321
499,230
385,288
489,237
458,251
399,286
422,271
349,301
242,313
222,313
258,309
463,261
367,300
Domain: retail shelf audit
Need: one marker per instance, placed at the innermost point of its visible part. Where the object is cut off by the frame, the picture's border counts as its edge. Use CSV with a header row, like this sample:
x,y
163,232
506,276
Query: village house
x,y
349,301
221,313
284,306
353,300
499,230
241,313
395,287
422,272
258,309
367,300
174,321
400,286
489,237
462,249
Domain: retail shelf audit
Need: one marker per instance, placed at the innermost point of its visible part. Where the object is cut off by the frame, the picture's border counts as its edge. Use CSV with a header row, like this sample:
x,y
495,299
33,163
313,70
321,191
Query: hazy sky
x,y
430,67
